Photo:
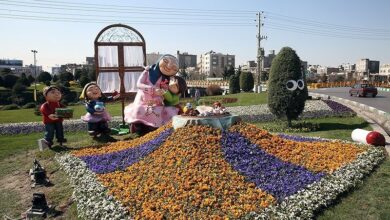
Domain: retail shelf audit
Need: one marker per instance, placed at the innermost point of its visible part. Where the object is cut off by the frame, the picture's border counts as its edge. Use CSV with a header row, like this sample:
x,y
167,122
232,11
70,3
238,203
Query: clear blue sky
x,y
330,32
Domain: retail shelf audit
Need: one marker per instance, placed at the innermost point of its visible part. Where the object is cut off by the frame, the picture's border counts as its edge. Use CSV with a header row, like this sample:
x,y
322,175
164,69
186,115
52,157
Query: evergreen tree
x,y
31,79
44,76
23,80
9,80
234,84
247,81
55,78
287,91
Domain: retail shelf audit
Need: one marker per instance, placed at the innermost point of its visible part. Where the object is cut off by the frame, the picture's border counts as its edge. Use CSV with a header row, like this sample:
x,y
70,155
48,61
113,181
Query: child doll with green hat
x,y
52,123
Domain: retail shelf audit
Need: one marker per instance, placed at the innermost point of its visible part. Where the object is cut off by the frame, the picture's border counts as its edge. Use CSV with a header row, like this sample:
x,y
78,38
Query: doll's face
x,y
168,66
93,92
53,95
174,88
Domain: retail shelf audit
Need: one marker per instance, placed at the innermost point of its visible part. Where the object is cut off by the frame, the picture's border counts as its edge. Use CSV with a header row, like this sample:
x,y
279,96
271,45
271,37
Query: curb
x,y
378,119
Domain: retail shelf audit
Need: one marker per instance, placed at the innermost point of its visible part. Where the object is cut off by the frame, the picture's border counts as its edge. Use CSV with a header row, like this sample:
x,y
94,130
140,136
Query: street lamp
x,y
35,74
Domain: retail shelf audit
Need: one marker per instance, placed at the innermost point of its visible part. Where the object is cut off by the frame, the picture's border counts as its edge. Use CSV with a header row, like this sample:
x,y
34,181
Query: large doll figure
x,y
52,123
97,116
148,112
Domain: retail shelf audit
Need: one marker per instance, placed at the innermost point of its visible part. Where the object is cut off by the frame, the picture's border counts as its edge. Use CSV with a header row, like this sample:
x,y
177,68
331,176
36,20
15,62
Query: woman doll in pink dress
x,y
148,112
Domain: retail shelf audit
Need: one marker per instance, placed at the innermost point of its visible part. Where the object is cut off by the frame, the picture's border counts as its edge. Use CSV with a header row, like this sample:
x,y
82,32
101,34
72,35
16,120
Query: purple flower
x,y
301,138
269,173
120,160
337,107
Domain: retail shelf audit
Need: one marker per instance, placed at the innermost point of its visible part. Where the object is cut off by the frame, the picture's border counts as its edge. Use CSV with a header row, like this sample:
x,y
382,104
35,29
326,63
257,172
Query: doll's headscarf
x,y
83,94
155,72
48,89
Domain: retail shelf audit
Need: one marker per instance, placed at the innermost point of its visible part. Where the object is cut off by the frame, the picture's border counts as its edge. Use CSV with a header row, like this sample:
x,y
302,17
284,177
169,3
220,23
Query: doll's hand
x,y
159,92
53,116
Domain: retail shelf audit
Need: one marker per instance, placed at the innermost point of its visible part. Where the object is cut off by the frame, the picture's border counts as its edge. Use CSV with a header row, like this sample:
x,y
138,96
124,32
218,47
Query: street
x,y
381,101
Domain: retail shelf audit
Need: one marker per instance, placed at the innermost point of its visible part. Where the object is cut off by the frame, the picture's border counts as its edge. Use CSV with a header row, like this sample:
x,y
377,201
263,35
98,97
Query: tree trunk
x,y
289,124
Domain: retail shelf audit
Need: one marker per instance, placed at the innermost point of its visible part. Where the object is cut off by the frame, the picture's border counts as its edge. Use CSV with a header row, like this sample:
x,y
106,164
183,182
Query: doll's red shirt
x,y
48,108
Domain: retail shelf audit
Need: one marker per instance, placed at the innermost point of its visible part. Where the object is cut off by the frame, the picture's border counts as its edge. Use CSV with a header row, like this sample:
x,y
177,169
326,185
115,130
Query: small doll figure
x,y
97,116
218,109
52,123
175,88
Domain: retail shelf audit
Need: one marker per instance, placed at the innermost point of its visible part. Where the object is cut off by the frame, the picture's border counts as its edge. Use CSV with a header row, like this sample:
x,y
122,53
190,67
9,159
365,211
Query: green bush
x,y
246,81
212,90
284,99
234,84
10,107
29,105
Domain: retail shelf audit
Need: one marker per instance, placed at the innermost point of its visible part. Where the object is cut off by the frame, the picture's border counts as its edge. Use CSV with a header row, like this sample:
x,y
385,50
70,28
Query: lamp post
x,y
35,74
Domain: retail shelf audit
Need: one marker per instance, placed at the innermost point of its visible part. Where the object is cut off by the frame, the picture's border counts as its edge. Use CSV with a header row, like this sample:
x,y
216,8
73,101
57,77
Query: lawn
x,y
115,108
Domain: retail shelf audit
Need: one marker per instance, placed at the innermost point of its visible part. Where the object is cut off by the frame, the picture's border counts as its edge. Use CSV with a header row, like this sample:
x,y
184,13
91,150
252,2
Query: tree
x,y
230,71
18,88
55,78
5,71
44,76
84,80
246,81
31,79
65,76
1,81
9,80
92,73
23,80
287,90
264,76
78,73
234,84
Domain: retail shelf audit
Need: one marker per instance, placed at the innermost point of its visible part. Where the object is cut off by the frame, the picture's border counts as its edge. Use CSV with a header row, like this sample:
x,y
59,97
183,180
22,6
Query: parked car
x,y
363,89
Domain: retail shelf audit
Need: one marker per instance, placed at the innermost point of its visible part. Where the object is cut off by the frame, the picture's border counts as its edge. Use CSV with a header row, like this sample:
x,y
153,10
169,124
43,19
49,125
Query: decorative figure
x,y
96,116
52,122
176,87
148,112
38,175
39,207
368,137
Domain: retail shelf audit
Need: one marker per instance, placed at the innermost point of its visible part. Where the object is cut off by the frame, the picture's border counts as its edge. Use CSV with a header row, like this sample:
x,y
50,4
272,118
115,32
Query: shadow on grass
x,y
340,126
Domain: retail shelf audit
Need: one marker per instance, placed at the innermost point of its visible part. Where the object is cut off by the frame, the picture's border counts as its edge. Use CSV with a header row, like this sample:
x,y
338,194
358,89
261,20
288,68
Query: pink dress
x,y
148,107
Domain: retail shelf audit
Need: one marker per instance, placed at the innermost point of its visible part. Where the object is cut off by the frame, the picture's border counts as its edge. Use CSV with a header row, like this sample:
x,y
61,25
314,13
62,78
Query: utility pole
x,y
260,51
35,74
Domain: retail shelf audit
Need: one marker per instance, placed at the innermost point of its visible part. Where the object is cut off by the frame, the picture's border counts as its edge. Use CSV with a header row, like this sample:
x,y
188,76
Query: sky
x,y
328,33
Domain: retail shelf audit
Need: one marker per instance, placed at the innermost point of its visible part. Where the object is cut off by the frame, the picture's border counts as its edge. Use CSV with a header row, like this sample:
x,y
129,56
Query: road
x,y
381,101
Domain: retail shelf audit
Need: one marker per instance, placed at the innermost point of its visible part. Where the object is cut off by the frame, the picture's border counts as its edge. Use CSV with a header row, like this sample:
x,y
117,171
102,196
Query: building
x,y
325,70
212,64
10,64
366,67
90,61
249,66
17,67
55,70
186,60
267,60
384,72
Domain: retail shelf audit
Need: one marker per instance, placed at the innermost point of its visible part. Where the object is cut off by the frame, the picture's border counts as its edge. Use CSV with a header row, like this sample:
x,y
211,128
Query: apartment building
x,y
212,64
186,60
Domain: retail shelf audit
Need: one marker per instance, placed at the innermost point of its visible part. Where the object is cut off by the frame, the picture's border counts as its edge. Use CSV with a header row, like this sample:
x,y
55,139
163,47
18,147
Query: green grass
x,y
333,128
115,108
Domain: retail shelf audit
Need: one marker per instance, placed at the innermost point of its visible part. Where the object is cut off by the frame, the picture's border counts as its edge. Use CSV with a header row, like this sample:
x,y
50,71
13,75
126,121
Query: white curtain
x,y
108,56
130,81
109,82
133,55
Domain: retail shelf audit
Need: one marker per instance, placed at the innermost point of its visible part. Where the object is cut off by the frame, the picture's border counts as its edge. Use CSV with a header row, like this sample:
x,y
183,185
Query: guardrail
x,y
345,84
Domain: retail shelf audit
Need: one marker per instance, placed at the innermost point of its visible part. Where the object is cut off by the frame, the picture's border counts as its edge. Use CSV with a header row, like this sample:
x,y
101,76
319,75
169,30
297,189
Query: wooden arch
x,y
120,57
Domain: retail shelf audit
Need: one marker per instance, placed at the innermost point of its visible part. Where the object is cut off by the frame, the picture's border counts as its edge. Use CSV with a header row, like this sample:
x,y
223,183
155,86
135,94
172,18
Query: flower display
x,y
206,173
268,172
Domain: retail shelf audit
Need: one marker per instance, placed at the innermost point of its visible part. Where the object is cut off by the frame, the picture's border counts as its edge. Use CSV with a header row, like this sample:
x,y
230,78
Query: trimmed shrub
x,y
29,105
246,81
214,90
10,107
287,91
234,84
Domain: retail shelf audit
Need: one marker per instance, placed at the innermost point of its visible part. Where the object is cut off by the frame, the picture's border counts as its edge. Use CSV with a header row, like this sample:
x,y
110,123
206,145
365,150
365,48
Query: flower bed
x,y
204,173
